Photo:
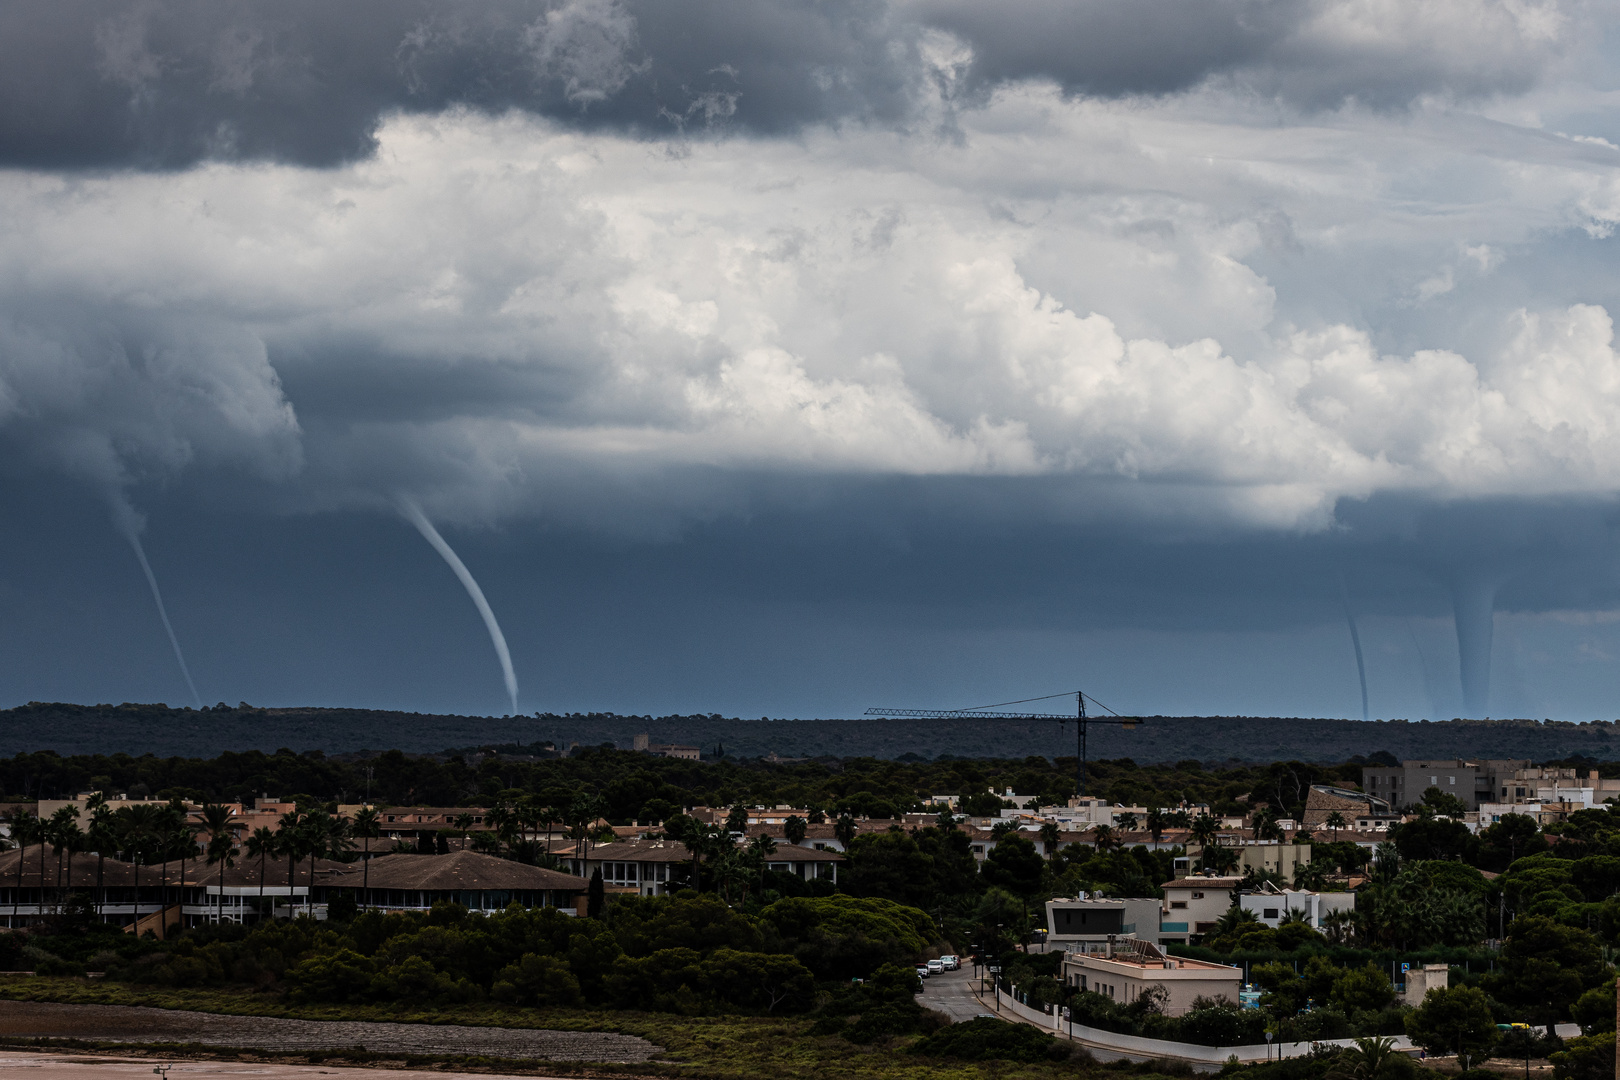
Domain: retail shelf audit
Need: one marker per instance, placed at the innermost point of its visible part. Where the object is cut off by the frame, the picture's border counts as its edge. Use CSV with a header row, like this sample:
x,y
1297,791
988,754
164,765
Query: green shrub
x,y
1586,1057
987,1039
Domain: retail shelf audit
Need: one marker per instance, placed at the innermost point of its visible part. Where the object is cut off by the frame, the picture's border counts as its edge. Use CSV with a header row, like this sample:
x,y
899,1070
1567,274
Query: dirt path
x,y
119,1023
80,1067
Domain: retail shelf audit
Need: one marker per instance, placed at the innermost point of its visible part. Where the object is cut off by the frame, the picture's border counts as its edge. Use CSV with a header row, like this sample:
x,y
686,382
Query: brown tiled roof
x,y
794,853
459,870
245,873
641,851
115,873
1319,803
1203,883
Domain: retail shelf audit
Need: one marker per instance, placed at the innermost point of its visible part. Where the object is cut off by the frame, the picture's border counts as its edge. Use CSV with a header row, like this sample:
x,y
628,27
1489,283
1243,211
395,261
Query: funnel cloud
x,y
130,525
413,513
819,353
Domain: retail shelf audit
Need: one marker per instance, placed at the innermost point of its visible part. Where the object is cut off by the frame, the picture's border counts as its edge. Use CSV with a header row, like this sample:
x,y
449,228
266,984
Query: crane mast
x,y
1082,721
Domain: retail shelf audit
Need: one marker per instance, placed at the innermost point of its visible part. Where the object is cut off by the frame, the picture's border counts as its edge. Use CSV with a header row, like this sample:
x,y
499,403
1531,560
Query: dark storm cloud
x,y
1310,53
1108,48
166,83
171,82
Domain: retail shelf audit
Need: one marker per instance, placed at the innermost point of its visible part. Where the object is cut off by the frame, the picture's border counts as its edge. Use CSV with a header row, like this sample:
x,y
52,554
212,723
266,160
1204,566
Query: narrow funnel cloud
x,y
1473,603
1355,640
130,524
414,515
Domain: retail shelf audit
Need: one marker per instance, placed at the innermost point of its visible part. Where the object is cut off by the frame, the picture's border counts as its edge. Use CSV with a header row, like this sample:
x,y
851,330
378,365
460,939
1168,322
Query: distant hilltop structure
x,y
685,753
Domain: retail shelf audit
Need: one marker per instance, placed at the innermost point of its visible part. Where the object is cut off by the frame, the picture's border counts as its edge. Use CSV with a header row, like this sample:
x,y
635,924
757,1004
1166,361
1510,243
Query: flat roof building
x,y
1128,969
1088,923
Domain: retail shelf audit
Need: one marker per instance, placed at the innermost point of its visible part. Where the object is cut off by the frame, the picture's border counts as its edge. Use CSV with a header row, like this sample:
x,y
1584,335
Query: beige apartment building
x,y
1192,905
1129,968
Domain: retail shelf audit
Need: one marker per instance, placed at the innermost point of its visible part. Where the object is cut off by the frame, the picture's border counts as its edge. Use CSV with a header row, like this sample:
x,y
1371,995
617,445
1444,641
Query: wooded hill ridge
x,y
164,730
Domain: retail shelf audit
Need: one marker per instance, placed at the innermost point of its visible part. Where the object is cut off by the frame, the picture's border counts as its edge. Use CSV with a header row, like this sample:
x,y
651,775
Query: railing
x,y
1114,1046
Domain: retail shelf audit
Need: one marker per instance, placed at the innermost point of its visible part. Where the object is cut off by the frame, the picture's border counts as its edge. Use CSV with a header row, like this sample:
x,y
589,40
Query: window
x,y
1174,904
1197,896
1268,913
1452,780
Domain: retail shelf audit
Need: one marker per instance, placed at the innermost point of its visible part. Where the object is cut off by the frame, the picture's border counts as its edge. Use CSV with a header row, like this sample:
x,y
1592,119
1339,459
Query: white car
x,y
936,967
922,971
951,963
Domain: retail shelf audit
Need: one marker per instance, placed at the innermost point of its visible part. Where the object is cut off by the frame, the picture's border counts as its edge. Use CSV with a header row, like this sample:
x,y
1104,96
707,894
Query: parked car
x,y
936,967
951,962
922,971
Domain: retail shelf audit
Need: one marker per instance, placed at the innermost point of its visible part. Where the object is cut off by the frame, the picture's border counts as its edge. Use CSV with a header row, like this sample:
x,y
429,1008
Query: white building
x,y
1192,905
1128,968
1272,905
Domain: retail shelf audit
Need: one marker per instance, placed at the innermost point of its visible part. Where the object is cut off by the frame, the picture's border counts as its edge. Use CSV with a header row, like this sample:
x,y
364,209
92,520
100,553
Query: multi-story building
x,y
1089,923
1192,905
1473,782
1271,905
1274,856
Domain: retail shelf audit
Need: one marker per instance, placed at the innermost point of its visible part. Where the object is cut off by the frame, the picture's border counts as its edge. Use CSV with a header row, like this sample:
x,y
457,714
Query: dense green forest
x,y
638,786
136,728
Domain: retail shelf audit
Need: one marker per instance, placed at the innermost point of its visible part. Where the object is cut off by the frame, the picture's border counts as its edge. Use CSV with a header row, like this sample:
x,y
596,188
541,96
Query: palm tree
x,y
1339,926
101,835
1369,1060
1221,860
1234,918
700,840
1335,821
319,828
261,845
365,827
221,850
1050,837
550,816
137,830
25,829
506,825
760,850
1157,822
289,842
72,839
844,829
176,839
1388,860
1103,837
1206,832
1126,822
583,812
61,830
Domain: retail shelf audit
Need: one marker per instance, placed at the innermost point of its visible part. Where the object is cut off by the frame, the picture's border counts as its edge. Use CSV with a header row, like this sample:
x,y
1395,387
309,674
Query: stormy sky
x,y
787,357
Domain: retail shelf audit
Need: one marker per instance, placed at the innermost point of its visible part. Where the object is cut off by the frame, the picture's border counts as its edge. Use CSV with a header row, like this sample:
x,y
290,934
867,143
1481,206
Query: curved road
x,y
953,994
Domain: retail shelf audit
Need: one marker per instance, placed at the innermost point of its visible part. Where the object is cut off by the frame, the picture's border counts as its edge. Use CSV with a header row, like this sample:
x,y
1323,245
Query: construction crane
x,y
992,712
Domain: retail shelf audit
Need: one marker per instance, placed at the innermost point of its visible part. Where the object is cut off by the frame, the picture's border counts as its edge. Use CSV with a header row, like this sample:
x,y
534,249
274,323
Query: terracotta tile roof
x,y
459,870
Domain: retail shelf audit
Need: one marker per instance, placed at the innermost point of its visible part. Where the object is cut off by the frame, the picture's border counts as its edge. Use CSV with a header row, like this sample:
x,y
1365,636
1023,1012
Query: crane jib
x,y
1081,721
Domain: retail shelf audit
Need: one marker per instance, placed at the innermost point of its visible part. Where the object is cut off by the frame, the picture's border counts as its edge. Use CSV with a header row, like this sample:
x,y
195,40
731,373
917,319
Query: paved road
x,y
952,994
